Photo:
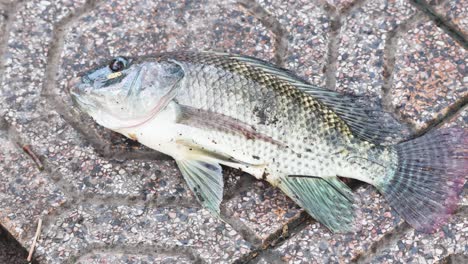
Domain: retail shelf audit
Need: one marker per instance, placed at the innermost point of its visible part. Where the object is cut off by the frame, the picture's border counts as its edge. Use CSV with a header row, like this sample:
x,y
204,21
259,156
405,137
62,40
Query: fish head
x,y
127,91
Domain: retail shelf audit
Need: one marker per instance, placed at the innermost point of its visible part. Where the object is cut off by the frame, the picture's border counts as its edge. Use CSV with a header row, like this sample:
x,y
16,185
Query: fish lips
x,y
76,89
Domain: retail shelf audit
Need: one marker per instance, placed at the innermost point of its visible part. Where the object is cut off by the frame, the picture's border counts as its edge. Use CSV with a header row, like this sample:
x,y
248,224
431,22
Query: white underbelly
x,y
164,134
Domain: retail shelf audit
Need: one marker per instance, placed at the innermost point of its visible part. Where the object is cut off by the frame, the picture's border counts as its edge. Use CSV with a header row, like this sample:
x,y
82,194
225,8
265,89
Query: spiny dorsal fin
x,y
366,121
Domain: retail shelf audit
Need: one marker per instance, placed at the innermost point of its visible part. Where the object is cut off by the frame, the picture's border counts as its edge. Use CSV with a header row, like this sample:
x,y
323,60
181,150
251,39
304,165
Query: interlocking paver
x,y
456,12
26,194
76,167
91,226
416,247
93,40
124,258
361,45
308,28
264,209
104,198
430,73
315,244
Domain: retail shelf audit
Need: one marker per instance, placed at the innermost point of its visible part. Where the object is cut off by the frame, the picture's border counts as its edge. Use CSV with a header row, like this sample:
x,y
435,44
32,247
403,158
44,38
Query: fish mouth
x,y
84,106
76,94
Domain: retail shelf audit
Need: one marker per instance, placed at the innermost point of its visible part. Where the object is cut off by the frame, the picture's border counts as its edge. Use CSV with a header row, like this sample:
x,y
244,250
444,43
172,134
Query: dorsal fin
x,y
366,121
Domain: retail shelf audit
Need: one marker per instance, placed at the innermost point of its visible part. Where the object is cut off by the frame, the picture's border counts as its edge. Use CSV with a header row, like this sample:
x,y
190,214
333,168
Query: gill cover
x,y
130,96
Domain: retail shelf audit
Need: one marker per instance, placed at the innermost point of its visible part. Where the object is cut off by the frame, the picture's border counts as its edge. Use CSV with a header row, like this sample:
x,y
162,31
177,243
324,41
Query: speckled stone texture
x,y
23,186
361,45
456,13
308,25
430,73
314,245
416,247
106,199
263,209
341,5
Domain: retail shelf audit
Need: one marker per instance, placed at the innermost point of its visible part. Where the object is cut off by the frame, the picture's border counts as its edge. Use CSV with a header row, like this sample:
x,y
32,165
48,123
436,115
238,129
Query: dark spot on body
x,y
260,113
256,157
265,175
308,150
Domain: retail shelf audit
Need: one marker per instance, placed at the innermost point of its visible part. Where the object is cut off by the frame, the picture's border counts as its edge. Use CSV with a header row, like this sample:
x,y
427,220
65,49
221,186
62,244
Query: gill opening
x,y
157,108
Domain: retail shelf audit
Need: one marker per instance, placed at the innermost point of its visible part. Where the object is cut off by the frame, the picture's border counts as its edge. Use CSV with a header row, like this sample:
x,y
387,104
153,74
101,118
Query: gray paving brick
x,y
264,209
430,73
315,244
94,225
361,45
26,194
308,27
104,198
456,12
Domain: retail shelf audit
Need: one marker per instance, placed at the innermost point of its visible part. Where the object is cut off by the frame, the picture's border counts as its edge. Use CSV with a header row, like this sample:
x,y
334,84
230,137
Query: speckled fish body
x,y
206,109
290,132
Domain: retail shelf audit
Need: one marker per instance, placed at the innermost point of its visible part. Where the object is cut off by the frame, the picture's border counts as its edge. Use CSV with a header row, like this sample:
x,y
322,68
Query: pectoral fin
x,y
205,179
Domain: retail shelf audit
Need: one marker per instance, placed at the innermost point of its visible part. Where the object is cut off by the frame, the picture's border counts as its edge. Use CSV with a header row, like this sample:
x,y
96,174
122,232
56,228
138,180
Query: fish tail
x,y
425,185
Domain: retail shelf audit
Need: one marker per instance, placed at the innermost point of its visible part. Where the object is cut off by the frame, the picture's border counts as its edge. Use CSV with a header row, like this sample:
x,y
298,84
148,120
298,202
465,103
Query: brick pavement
x,y
106,199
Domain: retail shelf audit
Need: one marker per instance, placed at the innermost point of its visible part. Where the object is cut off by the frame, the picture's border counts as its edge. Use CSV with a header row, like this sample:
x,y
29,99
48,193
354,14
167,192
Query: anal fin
x,y
328,200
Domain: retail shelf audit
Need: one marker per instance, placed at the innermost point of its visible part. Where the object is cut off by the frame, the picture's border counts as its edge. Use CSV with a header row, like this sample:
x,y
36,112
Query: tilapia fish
x,y
210,109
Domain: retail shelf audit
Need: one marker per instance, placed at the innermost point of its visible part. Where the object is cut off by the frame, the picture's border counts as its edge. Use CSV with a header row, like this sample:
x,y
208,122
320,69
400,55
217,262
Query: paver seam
x,y
268,256
454,258
62,29
13,243
336,22
390,238
146,250
279,238
446,116
11,9
53,59
441,22
389,64
332,53
73,196
270,22
390,49
386,241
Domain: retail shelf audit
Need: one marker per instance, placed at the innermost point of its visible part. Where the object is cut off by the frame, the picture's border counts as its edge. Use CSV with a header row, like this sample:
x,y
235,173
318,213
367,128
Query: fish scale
x,y
295,113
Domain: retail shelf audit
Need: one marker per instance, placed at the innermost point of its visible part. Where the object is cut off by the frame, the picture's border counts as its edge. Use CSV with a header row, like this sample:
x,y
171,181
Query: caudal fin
x,y
431,172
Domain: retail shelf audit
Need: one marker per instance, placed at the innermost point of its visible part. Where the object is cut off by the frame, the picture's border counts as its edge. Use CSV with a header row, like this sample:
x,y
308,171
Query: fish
x,y
210,109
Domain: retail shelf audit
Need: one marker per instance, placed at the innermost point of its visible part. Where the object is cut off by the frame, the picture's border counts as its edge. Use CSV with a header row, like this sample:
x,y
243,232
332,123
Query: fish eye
x,y
118,64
